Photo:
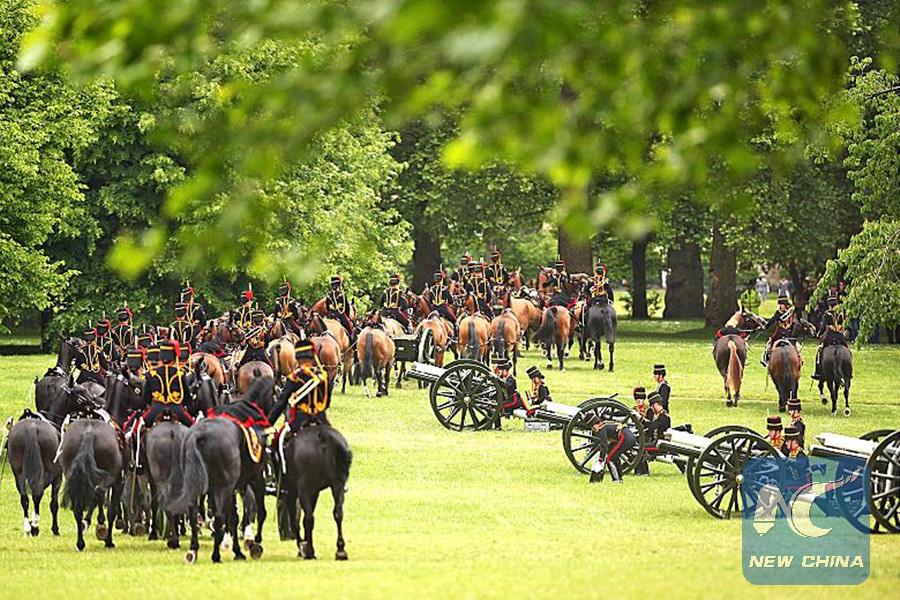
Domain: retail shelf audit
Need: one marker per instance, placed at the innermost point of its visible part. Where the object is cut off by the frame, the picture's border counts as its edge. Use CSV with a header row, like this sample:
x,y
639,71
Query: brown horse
x,y
528,308
395,329
214,366
439,329
505,335
784,369
319,325
730,354
555,330
375,353
219,330
474,332
281,354
250,372
329,352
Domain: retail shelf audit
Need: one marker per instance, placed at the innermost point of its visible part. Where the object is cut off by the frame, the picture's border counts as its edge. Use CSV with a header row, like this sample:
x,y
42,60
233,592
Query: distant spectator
x,y
762,287
750,298
786,287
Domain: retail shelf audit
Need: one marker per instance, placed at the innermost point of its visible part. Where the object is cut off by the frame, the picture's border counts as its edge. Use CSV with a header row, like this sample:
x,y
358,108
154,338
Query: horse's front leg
x,y
612,352
54,504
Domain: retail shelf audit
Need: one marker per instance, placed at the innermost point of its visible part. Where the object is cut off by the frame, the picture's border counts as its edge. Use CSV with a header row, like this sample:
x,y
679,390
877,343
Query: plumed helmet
x,y
103,326
394,279
180,310
123,313
773,422
305,351
168,351
533,372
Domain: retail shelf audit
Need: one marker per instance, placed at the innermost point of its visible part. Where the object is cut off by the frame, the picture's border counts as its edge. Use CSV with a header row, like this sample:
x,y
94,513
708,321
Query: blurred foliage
x,y
670,94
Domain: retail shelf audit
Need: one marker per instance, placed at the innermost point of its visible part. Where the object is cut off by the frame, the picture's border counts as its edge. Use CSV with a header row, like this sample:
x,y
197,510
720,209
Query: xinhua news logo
x,y
805,521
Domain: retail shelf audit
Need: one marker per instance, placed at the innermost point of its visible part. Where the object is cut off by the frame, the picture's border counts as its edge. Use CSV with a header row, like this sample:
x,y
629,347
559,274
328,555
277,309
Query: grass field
x,y
432,513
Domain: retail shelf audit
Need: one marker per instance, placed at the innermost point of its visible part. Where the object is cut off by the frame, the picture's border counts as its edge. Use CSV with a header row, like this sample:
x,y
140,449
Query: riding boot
x,y
614,472
817,375
764,361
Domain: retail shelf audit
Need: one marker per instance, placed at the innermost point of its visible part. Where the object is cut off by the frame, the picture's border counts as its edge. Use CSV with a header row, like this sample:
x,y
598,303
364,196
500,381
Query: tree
x,y
684,286
566,91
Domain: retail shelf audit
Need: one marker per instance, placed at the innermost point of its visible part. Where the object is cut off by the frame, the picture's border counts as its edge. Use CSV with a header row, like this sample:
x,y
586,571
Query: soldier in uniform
x,y
831,330
616,441
600,281
338,307
439,298
792,447
180,329
643,409
122,334
497,274
481,291
392,303
104,340
461,275
783,319
242,316
153,359
286,309
557,280
661,420
90,361
194,312
166,389
540,393
662,386
255,340
306,393
795,410
773,431
512,399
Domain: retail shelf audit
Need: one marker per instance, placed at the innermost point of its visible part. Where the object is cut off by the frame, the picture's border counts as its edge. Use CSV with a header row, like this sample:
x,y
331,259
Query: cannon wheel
x,y
854,497
718,475
712,433
425,350
466,396
581,443
884,469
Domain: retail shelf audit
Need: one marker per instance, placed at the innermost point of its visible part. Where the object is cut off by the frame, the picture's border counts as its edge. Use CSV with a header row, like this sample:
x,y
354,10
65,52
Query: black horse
x,y
602,324
56,382
316,458
32,448
837,371
215,460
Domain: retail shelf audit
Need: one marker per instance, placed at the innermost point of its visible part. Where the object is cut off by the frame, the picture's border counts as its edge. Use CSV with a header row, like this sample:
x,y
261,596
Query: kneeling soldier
x,y
540,393
616,440
166,389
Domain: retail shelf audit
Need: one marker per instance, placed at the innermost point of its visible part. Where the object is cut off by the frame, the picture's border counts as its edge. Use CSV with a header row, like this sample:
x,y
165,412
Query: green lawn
x,y
492,514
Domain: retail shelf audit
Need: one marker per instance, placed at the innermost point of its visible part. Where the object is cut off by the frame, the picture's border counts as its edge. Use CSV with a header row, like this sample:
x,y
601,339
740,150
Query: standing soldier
x,y
662,386
392,303
796,412
90,361
773,431
242,316
831,330
181,329
337,306
166,389
286,309
481,291
783,319
461,275
194,312
439,298
122,334
497,274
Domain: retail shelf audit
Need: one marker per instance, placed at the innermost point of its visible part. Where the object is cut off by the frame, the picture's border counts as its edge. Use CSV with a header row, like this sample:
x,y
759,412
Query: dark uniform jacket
x,y
92,363
664,392
122,335
183,331
196,315
242,317
336,301
481,289
392,298
461,277
440,295
497,274
658,426
166,384
307,392
831,328
286,308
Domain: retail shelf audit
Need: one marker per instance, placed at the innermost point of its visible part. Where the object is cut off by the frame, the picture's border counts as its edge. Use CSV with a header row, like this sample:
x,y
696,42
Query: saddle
x,y
255,445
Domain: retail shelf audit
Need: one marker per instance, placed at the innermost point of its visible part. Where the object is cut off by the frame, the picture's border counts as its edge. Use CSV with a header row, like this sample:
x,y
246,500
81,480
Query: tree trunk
x,y
46,343
638,285
577,254
723,298
426,257
684,287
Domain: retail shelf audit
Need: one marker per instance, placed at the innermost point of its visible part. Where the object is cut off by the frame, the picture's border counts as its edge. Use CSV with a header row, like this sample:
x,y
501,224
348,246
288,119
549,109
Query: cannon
x,y
880,450
415,348
714,464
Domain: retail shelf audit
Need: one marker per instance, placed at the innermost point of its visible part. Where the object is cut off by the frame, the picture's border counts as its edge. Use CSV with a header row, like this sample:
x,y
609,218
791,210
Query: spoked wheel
x,y
466,396
711,434
718,476
853,498
425,351
884,468
581,443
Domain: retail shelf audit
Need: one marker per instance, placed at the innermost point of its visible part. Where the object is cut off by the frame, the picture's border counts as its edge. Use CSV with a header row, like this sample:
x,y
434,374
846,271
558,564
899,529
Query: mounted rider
x,y
337,306
194,312
104,340
90,360
557,282
392,302
439,298
286,309
166,389
306,393
783,319
497,274
242,316
831,329
182,330
461,275
481,290
122,335
600,290
254,340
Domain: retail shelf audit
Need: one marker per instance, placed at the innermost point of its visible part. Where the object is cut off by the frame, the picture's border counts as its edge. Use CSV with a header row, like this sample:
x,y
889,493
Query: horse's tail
x,y
500,338
472,342
33,469
735,372
366,367
257,372
843,369
545,333
194,479
276,359
83,475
